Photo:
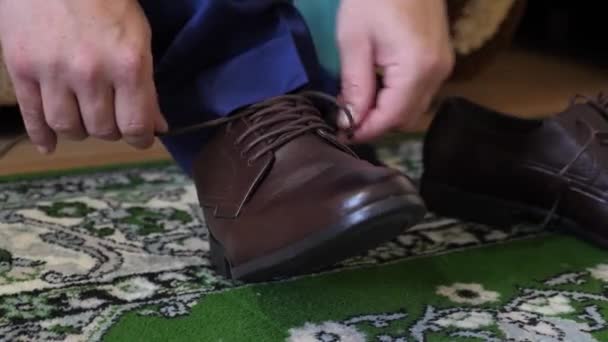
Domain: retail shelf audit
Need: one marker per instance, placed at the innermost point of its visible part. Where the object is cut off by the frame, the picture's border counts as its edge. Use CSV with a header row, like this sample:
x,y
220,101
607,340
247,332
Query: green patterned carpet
x,y
121,255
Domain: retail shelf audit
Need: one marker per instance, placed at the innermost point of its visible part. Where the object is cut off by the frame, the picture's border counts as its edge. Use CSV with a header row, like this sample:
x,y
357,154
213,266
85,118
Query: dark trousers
x,y
214,56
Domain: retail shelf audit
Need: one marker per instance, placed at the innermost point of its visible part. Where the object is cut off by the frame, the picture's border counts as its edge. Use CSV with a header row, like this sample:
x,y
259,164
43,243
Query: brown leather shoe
x,y
282,196
484,166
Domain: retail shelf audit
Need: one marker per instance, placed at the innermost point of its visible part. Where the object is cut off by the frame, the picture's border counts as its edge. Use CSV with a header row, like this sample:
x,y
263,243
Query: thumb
x,y
160,123
358,77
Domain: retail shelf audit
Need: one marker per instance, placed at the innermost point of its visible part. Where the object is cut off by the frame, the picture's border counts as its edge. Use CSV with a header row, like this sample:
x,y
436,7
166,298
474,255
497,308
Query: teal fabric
x,y
320,15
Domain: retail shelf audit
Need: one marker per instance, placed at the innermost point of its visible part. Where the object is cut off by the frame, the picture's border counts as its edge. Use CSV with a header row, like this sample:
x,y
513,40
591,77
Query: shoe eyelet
x,y
250,162
243,155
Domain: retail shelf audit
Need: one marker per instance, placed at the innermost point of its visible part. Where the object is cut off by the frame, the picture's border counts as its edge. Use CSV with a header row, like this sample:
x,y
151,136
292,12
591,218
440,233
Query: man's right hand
x,y
81,68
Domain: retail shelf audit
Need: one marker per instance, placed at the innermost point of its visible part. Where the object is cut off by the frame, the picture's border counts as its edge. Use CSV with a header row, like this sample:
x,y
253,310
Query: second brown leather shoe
x,y
488,167
282,196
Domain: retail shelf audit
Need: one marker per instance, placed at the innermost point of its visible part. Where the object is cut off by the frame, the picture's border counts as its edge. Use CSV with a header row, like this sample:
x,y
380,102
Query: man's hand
x,y
81,68
409,41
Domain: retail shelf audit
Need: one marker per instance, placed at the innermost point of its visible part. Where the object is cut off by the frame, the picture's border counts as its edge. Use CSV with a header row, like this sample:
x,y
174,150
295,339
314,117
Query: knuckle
x,y
104,133
404,124
102,128
433,63
35,128
30,114
129,65
21,65
54,66
350,87
98,109
135,130
398,120
61,125
348,38
428,63
86,69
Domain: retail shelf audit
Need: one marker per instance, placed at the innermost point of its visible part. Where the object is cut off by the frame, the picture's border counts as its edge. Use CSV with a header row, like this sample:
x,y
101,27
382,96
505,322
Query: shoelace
x,y
600,104
277,121
10,144
297,111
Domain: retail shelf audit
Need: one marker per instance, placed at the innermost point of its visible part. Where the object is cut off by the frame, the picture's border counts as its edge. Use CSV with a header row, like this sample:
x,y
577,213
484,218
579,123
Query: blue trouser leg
x,y
215,56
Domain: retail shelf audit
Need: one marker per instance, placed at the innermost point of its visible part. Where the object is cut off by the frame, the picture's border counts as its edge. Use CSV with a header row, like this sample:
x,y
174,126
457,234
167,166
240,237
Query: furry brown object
x,y
480,30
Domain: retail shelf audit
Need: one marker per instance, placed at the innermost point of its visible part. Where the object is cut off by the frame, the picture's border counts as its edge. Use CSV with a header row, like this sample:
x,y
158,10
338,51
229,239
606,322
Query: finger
x,y
427,99
409,120
97,111
137,112
160,123
61,111
428,89
357,75
30,105
402,100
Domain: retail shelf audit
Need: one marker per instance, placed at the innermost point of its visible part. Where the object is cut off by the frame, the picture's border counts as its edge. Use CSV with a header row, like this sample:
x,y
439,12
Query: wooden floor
x,y
518,82
531,85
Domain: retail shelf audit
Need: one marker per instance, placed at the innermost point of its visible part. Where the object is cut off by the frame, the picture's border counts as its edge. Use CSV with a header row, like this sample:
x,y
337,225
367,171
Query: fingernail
x,y
43,149
343,120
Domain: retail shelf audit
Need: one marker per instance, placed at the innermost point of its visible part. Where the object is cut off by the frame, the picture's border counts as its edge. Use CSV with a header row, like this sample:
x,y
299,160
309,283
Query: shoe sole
x,y
356,233
448,201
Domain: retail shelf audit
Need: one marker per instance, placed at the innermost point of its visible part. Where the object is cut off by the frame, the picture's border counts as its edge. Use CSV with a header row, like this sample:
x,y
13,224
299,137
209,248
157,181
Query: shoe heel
x,y
218,258
448,201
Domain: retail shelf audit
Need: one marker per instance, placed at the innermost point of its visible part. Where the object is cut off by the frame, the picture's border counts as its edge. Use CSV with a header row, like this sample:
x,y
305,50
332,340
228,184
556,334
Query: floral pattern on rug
x,y
547,314
79,251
